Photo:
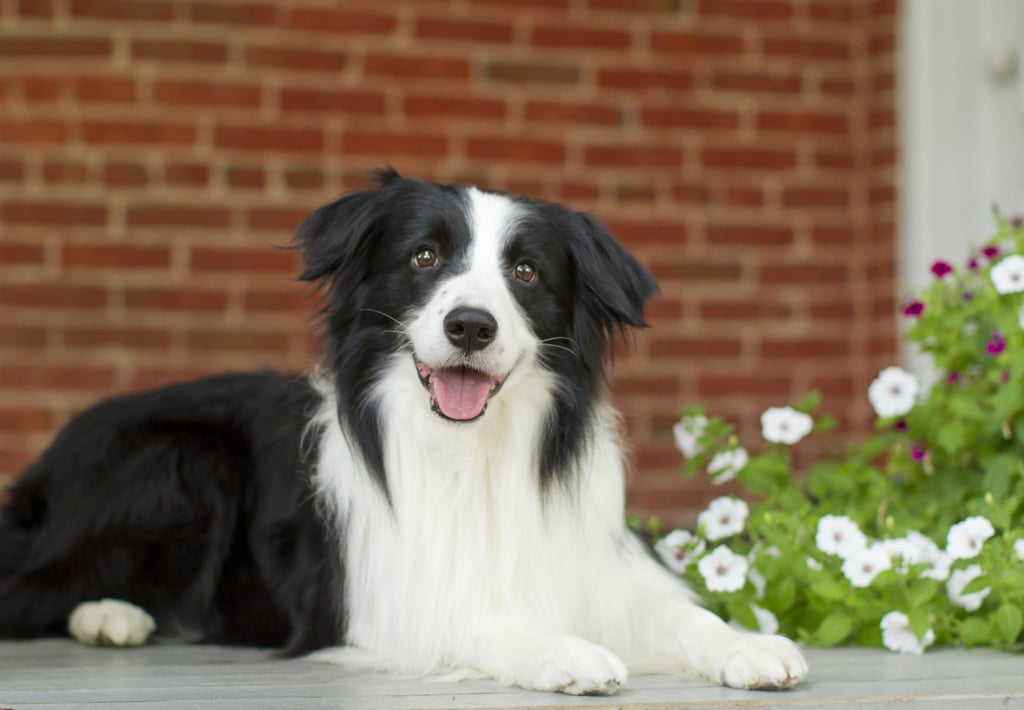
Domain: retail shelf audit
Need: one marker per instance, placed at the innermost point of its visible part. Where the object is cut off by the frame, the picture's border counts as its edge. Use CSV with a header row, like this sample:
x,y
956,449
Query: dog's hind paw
x,y
110,622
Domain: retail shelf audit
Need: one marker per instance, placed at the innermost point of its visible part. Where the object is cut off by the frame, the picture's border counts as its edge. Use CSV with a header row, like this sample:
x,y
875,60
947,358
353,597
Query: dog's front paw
x,y
767,662
568,664
110,622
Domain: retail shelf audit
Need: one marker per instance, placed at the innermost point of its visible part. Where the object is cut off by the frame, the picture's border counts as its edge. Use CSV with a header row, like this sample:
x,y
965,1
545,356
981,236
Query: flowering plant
x,y
910,537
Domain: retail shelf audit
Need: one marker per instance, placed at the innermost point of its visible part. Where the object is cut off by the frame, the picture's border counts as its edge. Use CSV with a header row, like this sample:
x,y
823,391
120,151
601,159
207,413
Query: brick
x,y
235,341
11,170
515,72
757,82
450,29
197,174
23,337
347,102
115,256
125,174
280,301
133,338
36,132
699,271
340,22
63,48
692,347
636,385
562,37
129,10
739,385
826,11
180,215
664,7
795,47
695,44
804,123
299,59
816,197
454,107
13,253
56,377
633,156
140,133
759,159
415,67
574,113
104,89
304,179
67,172
705,119
240,15
743,196
274,219
668,80
175,299
26,420
744,309
804,348
384,144
68,214
745,9
180,50
35,8
207,93
832,236
802,274
269,138
648,232
749,235
241,177
516,150
53,295
252,261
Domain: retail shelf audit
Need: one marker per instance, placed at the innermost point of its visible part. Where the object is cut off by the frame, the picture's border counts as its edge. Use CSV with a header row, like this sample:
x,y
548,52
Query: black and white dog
x,y
444,496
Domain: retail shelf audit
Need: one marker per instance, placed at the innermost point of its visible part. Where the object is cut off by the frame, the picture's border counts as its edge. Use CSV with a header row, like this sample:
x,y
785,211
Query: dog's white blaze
x,y
472,569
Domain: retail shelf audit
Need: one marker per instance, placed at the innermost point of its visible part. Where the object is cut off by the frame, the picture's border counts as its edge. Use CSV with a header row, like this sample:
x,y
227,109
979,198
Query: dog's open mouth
x,y
458,393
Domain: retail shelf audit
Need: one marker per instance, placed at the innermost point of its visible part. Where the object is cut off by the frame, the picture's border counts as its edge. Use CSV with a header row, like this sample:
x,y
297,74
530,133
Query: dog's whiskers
x,y
548,342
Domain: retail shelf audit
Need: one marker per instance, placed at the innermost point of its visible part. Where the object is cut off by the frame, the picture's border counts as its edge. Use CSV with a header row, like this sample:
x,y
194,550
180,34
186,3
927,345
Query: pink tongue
x,y
461,393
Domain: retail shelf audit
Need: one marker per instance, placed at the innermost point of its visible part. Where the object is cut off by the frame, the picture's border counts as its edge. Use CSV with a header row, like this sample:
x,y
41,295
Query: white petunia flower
x,y
724,517
785,425
1008,275
862,567
687,432
723,570
838,535
959,579
1018,547
678,549
726,464
893,392
898,636
966,538
918,549
814,564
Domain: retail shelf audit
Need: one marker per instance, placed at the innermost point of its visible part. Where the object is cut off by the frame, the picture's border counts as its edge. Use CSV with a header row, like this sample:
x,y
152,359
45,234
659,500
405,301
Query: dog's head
x,y
471,287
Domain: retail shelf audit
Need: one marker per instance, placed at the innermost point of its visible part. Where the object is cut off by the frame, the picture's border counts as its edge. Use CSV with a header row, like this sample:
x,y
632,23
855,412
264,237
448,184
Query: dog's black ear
x,y
332,236
613,284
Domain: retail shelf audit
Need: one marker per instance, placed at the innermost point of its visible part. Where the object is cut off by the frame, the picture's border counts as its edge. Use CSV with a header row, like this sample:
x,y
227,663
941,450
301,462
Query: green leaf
x,y
781,595
921,592
834,628
828,589
739,610
976,585
975,631
950,436
809,403
920,622
1008,622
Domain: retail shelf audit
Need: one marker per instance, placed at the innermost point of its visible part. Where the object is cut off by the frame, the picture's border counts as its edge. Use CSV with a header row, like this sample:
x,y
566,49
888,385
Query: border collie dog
x,y
444,496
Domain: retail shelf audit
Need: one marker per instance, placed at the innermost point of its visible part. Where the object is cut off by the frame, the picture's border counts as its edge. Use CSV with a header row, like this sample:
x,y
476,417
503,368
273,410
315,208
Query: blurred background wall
x,y
154,155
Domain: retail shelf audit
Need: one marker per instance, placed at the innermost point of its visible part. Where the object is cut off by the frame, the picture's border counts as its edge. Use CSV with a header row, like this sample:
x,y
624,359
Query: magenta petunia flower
x,y
918,450
972,264
913,309
990,252
952,378
1017,221
941,269
997,344
901,425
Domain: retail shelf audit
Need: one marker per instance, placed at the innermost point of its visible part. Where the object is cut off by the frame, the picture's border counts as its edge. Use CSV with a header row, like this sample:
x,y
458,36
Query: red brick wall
x,y
153,154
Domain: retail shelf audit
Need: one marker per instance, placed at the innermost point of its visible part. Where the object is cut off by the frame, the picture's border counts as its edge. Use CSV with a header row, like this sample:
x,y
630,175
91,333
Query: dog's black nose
x,y
470,328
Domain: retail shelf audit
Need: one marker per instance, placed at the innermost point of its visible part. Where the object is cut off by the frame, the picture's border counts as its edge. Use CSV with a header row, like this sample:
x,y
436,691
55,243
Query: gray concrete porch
x,y
64,674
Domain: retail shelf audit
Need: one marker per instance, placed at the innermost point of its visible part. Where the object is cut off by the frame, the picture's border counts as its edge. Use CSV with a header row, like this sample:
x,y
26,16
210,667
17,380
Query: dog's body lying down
x,y
446,495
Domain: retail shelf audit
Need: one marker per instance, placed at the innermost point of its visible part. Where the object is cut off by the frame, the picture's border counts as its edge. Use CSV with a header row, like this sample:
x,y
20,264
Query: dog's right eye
x,y
424,258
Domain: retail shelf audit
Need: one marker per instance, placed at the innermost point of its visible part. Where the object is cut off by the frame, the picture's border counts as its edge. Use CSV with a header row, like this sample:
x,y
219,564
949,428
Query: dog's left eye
x,y
525,271
425,258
